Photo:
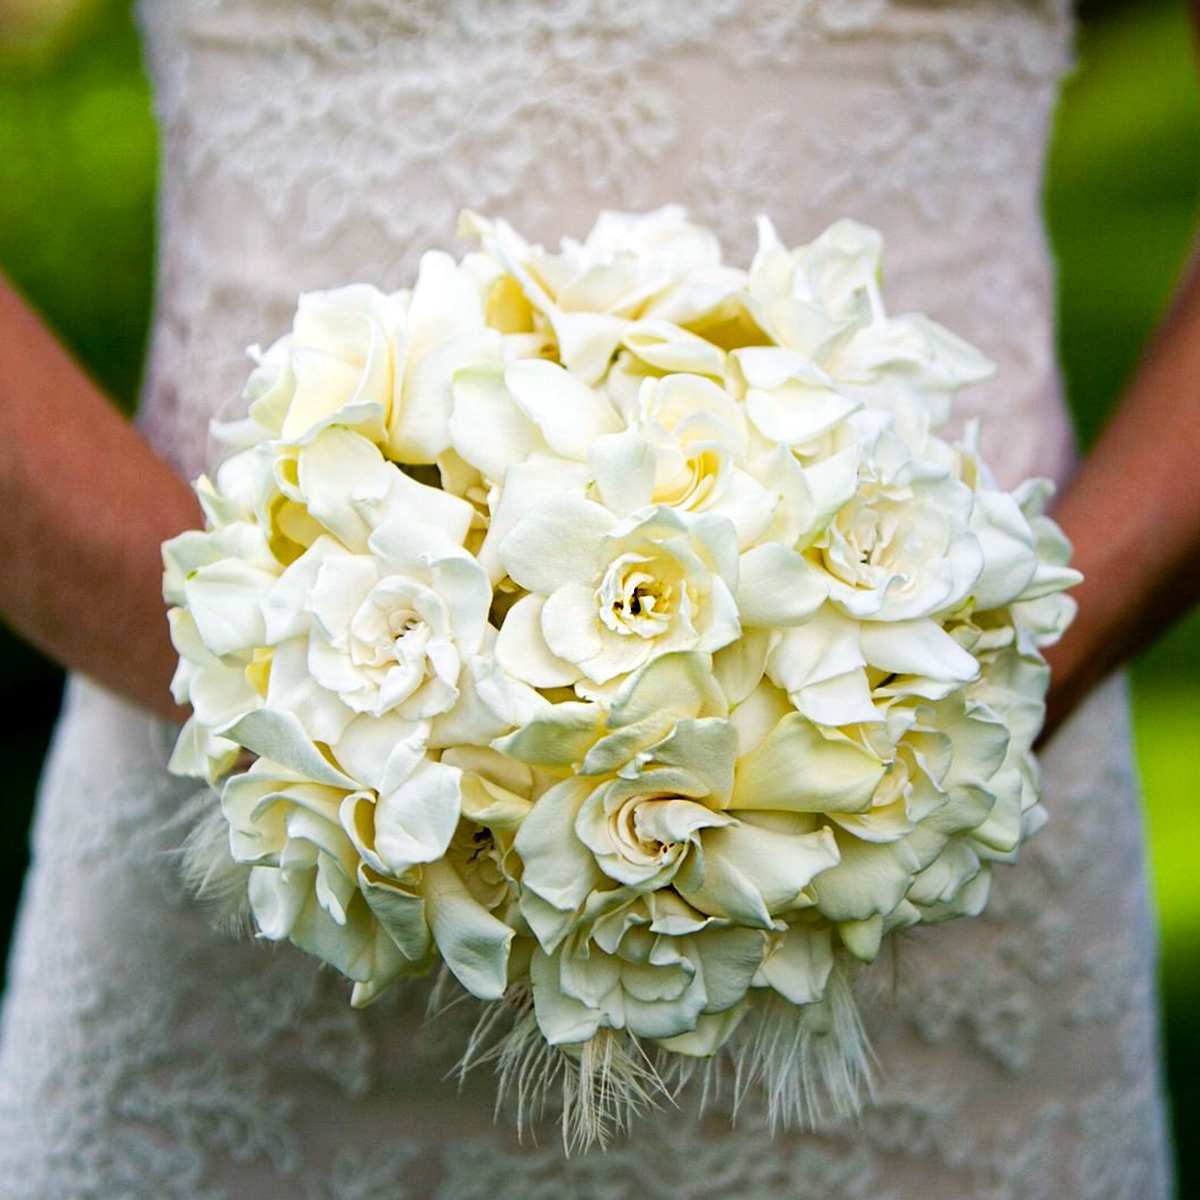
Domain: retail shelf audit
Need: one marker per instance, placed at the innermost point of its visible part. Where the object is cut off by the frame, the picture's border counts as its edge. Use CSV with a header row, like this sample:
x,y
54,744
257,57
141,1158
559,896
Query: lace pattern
x,y
308,142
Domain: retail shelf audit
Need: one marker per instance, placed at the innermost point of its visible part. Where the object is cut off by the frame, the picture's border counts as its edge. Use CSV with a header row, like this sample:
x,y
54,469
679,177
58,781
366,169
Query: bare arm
x,y
84,506
1133,512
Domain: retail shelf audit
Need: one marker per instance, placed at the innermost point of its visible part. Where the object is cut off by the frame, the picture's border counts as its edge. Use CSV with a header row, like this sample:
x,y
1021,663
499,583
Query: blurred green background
x,y
77,159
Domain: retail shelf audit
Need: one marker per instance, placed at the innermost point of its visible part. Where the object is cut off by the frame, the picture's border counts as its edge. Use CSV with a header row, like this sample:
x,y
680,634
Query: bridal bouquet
x,y
612,628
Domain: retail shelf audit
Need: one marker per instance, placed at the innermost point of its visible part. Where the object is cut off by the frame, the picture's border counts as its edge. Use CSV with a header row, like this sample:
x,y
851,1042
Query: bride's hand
x,y
84,506
1133,513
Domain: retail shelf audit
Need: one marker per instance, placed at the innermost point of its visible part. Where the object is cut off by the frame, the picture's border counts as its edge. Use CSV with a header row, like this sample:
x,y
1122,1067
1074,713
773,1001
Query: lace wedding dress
x,y
313,142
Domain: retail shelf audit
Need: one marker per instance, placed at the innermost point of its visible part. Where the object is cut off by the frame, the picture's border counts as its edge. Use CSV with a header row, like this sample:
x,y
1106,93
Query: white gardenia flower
x,y
947,796
650,966
903,547
310,885
339,365
687,447
608,595
399,629
653,805
590,292
375,363
651,836
946,802
823,300
368,879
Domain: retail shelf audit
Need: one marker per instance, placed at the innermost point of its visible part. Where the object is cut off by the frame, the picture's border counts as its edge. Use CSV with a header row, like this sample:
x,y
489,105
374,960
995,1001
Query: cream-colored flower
x,y
902,548
378,364
823,301
650,966
915,851
914,839
608,595
362,875
590,292
649,806
387,631
310,884
661,829
686,448
396,627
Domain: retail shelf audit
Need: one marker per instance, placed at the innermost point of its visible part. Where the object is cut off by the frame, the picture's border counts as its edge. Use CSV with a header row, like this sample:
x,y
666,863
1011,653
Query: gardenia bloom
x,y
308,884
824,302
378,364
903,858
686,448
608,595
651,830
380,632
653,967
902,547
363,877
399,629
589,292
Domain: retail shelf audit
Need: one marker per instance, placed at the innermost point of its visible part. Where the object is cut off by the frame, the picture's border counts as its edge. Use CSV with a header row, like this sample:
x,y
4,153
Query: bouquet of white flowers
x,y
612,628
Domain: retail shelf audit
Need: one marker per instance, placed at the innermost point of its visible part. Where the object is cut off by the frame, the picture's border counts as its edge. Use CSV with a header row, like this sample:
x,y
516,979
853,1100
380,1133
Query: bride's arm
x,y
1133,512
84,506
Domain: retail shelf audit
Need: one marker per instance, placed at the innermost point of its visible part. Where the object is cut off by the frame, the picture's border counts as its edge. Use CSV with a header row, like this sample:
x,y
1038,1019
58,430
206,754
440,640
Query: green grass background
x,y
77,155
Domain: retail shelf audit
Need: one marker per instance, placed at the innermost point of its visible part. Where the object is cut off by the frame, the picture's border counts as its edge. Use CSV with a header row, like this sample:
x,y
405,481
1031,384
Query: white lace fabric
x,y
308,143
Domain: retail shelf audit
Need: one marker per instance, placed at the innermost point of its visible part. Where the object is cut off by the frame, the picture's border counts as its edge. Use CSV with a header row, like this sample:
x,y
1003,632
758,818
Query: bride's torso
x,y
309,143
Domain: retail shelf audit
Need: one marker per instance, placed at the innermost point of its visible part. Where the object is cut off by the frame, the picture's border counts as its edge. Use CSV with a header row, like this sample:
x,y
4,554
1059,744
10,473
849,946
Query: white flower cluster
x,y
612,626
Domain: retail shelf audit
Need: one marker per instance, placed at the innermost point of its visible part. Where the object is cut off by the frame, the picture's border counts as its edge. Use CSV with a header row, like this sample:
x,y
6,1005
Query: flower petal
x,y
280,737
415,821
557,545
522,651
472,942
800,767
776,587
486,427
557,866
562,1020
569,414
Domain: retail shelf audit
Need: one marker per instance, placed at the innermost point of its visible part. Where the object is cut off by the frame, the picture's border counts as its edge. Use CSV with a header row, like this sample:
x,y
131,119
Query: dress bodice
x,y
311,143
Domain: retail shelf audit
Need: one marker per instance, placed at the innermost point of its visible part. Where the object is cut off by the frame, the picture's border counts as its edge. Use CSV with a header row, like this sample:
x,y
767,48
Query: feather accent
x,y
811,1063
210,873
598,1086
